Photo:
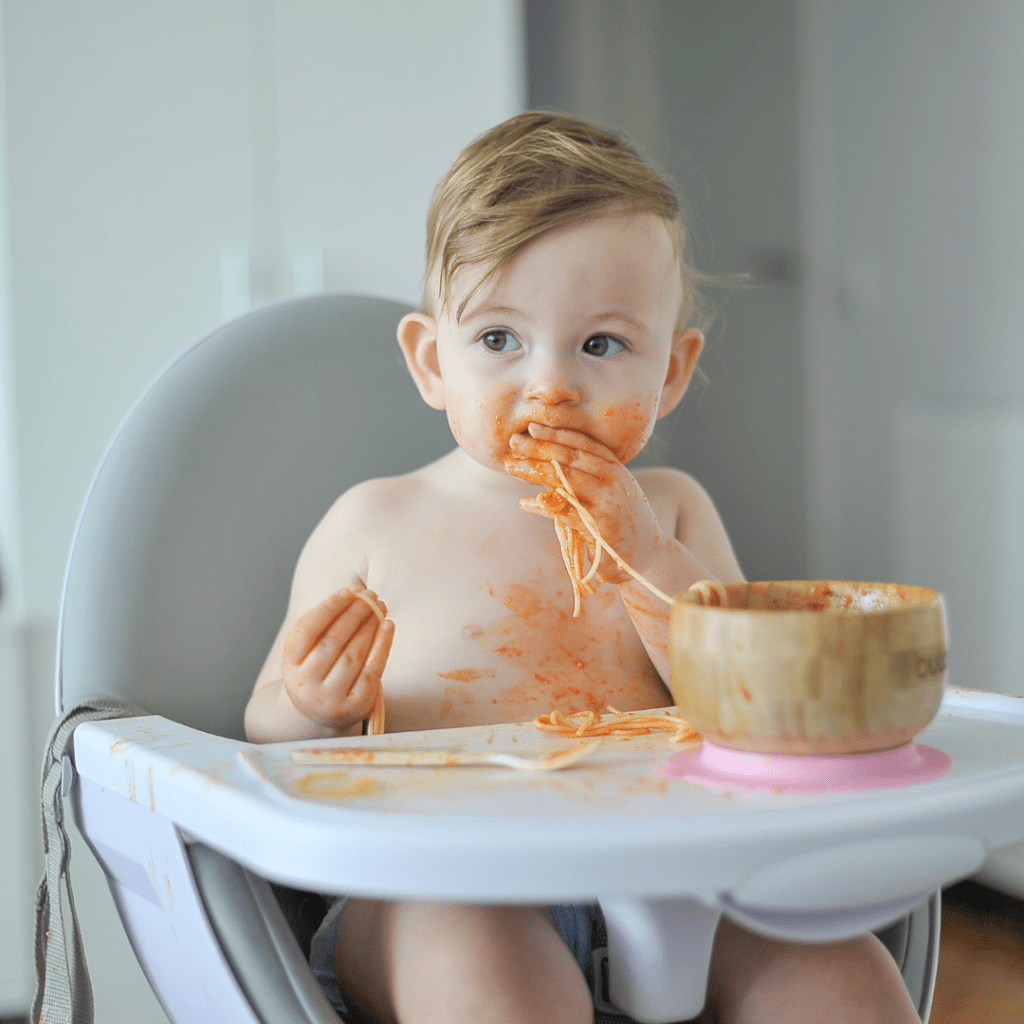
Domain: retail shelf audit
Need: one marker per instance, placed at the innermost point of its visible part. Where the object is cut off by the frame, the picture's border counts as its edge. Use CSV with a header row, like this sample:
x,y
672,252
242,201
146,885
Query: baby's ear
x,y
686,346
417,335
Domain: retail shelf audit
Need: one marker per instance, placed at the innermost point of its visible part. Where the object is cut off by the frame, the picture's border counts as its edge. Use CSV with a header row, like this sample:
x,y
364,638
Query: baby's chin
x,y
631,448
487,458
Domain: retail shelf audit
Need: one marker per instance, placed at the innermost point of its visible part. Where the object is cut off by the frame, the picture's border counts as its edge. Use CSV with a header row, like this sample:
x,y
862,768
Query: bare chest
x,y
484,630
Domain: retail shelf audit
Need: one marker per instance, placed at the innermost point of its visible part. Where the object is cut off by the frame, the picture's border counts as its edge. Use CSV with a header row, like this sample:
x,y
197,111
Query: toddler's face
x,y
576,332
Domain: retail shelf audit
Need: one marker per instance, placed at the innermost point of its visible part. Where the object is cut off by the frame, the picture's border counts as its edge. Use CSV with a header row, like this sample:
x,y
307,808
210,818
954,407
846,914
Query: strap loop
x,y
63,990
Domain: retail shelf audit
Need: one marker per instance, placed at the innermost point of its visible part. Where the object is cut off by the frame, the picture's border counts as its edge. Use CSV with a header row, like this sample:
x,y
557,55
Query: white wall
x,y
144,141
927,100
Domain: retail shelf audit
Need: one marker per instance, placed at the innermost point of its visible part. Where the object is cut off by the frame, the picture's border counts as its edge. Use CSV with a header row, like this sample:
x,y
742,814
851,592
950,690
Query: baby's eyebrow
x,y
616,315
489,312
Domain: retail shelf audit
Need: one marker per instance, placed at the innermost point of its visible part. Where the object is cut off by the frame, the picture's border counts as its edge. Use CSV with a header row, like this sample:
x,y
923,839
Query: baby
x,y
559,324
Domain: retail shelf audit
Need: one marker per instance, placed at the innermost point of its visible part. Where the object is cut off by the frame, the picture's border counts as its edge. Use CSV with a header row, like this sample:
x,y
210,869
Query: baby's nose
x,y
551,389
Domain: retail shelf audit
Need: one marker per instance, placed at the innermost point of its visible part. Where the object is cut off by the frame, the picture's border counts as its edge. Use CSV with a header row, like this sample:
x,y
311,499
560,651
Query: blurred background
x,y
166,166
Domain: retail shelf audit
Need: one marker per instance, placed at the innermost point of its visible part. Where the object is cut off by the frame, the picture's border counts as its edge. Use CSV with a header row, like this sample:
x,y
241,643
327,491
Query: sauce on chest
x,y
484,631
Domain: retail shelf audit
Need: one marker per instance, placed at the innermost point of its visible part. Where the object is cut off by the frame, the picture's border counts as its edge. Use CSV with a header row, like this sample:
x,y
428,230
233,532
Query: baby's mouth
x,y
575,428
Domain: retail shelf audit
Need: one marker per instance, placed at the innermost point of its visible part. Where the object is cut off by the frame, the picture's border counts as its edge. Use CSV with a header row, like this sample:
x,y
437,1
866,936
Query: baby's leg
x,y
414,962
754,979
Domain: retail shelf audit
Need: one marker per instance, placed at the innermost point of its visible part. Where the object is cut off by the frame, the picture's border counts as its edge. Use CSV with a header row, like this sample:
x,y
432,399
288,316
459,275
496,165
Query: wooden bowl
x,y
808,667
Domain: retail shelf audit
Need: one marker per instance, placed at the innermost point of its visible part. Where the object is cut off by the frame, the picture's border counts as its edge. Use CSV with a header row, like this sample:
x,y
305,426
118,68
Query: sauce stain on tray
x,y
337,785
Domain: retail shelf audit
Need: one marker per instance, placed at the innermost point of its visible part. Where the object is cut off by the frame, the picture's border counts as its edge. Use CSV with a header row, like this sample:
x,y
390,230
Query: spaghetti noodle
x,y
711,593
573,546
587,724
375,723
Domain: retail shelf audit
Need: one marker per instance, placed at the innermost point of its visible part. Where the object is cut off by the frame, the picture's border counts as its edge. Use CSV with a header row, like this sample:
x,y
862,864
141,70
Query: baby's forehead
x,y
647,239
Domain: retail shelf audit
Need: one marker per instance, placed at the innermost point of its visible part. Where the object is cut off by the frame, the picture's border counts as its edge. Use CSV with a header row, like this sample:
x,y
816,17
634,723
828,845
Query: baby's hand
x,y
334,657
602,485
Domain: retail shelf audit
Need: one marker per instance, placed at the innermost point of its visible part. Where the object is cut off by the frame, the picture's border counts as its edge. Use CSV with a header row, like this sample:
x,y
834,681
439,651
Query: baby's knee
x,y
760,979
485,963
861,979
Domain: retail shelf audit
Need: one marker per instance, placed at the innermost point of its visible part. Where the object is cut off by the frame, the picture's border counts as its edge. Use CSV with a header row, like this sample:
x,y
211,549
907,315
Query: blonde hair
x,y
534,172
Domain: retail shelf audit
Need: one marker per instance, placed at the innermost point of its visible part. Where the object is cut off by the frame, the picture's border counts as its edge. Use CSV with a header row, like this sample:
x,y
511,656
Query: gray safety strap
x,y
63,991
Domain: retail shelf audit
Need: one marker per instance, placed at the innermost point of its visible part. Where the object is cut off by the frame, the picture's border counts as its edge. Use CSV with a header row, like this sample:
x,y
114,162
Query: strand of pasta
x,y
565,543
711,593
621,724
375,723
581,584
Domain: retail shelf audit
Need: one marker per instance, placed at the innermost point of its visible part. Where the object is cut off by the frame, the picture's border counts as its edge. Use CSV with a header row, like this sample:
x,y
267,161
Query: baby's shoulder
x,y
665,485
370,518
374,505
684,507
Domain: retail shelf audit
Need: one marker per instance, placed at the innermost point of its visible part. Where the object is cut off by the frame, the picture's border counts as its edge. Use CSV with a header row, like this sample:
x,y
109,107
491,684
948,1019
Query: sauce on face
x,y
629,425
502,423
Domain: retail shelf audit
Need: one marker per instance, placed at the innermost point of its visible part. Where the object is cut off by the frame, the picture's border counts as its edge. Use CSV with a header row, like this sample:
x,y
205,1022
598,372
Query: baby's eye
x,y
499,340
603,345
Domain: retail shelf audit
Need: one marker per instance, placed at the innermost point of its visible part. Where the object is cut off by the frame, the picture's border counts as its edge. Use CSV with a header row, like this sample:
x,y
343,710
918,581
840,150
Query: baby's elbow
x,y
252,721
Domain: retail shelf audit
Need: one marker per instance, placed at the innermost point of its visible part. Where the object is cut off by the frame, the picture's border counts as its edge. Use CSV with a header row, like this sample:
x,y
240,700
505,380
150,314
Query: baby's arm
x,y
697,548
324,669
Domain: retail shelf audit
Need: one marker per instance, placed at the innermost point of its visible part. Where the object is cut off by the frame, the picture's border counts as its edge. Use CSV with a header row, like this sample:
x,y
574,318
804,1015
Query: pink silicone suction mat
x,y
724,768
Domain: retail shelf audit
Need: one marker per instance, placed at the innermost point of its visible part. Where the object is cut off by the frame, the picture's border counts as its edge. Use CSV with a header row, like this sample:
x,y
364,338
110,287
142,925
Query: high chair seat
x,y
176,583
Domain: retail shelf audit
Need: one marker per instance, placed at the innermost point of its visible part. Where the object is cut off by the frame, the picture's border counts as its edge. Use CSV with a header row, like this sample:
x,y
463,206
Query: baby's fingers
x,y
365,689
547,503
321,686
321,636
566,515
310,628
531,471
573,439
567,447
345,650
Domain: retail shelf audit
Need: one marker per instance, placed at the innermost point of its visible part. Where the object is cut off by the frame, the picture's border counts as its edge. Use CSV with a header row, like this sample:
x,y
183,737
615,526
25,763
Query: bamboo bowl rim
x,y
899,598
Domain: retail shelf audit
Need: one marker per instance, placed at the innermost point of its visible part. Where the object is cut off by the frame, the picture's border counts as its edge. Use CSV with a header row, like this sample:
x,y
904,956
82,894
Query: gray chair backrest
x,y
182,559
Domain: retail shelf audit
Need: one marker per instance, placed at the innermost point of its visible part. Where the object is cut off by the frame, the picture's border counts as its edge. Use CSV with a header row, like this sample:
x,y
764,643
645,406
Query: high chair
x,y
177,581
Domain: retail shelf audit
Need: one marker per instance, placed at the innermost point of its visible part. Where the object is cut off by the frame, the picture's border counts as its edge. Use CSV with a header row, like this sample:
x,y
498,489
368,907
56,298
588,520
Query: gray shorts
x,y
580,926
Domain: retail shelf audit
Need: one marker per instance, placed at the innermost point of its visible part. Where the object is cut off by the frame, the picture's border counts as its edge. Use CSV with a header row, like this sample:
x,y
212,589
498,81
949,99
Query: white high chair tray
x,y
604,827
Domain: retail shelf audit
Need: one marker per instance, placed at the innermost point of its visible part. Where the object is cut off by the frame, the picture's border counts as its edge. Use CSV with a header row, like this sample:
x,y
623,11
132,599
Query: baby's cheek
x,y
482,425
501,429
461,419
629,425
454,419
